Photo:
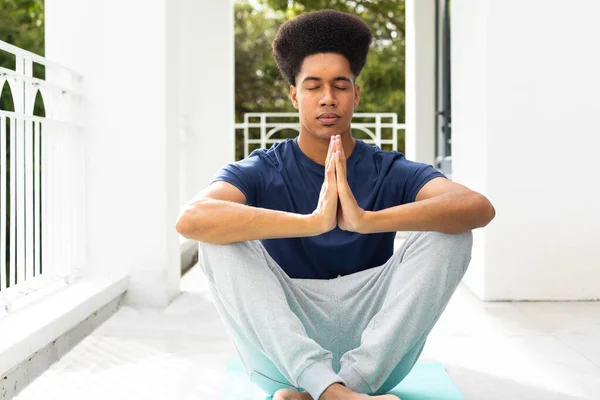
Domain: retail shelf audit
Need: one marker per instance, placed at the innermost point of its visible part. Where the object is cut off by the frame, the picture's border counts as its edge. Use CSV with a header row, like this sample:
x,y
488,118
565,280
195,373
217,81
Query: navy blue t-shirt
x,y
284,178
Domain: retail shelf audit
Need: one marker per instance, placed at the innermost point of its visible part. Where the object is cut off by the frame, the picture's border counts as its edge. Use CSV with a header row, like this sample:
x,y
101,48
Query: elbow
x,y
183,226
491,212
197,222
486,211
187,224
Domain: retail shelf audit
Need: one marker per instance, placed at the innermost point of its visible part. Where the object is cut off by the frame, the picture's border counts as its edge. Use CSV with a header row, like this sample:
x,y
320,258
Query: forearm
x,y
224,222
453,212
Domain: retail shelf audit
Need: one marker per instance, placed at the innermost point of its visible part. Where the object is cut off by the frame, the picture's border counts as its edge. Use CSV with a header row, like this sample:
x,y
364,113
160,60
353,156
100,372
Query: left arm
x,y
441,205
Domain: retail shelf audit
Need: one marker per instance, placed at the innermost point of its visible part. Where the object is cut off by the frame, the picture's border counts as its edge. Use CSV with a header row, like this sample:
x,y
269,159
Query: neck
x,y
316,148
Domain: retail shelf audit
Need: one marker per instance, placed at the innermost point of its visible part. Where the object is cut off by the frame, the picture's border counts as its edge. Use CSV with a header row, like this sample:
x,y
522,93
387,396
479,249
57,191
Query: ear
x,y
356,95
293,94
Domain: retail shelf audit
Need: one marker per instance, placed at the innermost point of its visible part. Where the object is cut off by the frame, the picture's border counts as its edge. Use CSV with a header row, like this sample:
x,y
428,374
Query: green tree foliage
x,y
259,86
22,25
258,83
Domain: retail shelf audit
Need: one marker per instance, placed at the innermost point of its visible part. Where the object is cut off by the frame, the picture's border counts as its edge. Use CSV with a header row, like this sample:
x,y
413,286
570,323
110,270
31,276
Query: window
x,y
443,115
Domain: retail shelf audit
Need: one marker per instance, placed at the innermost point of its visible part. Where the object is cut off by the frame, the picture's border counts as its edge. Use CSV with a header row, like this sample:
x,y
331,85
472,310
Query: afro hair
x,y
325,31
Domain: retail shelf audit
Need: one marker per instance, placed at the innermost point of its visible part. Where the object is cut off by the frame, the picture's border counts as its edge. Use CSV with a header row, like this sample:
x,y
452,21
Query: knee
x,y
456,249
454,243
211,248
208,252
449,248
210,255
458,242
226,250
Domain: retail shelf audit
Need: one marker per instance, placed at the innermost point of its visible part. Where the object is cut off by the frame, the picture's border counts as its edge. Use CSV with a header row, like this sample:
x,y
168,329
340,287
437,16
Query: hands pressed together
x,y
337,205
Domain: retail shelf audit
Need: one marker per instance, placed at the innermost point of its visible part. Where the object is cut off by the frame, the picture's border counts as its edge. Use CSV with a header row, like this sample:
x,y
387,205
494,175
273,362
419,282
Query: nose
x,y
328,99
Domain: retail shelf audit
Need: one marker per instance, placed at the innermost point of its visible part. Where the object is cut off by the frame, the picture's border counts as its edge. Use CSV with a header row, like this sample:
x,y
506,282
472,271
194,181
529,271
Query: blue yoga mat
x,y
426,381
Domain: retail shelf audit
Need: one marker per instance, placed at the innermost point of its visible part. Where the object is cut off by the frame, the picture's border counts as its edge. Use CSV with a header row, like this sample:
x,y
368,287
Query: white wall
x,y
129,55
525,132
469,118
206,32
420,80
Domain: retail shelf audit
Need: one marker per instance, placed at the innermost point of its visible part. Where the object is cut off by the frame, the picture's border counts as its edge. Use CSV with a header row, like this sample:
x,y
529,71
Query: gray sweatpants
x,y
365,330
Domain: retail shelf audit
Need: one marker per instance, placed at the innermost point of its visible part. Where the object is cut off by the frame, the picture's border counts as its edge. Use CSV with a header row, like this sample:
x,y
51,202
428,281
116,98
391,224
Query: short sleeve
x,y
412,176
247,175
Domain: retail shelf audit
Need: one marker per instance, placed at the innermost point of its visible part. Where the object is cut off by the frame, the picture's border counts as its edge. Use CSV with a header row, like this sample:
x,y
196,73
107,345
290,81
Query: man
x,y
297,240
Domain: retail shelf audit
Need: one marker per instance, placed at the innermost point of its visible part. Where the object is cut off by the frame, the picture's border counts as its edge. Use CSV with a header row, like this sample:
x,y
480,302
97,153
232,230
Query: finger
x,y
341,171
343,154
342,157
340,148
330,150
343,163
331,182
330,153
331,169
339,175
340,181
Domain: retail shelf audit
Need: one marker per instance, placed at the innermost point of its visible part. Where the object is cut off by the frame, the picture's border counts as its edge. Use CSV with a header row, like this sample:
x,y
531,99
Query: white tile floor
x,y
522,351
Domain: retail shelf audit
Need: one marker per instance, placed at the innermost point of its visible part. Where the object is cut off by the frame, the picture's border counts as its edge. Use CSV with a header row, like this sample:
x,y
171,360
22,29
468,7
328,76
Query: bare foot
x,y
289,394
341,392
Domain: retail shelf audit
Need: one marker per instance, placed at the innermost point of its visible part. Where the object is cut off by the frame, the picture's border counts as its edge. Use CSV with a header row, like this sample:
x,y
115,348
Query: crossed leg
x,y
276,326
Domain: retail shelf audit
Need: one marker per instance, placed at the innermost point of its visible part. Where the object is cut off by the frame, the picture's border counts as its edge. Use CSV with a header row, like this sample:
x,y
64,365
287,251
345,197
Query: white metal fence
x,y
42,166
263,129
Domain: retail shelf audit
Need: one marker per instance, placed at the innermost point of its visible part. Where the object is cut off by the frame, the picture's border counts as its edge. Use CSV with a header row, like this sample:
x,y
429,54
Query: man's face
x,y
325,95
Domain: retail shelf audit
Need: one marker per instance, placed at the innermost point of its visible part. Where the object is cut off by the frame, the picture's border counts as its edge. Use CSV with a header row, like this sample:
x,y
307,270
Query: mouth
x,y
328,118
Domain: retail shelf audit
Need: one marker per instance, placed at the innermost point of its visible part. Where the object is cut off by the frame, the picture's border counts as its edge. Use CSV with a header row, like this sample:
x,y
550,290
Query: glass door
x,y
443,115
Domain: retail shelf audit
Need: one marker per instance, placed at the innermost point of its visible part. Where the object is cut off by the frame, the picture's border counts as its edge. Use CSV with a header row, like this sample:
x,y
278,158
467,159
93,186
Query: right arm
x,y
219,215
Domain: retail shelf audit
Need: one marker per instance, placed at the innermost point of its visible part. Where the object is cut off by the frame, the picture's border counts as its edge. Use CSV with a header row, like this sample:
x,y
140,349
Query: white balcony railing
x,y
42,165
262,129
